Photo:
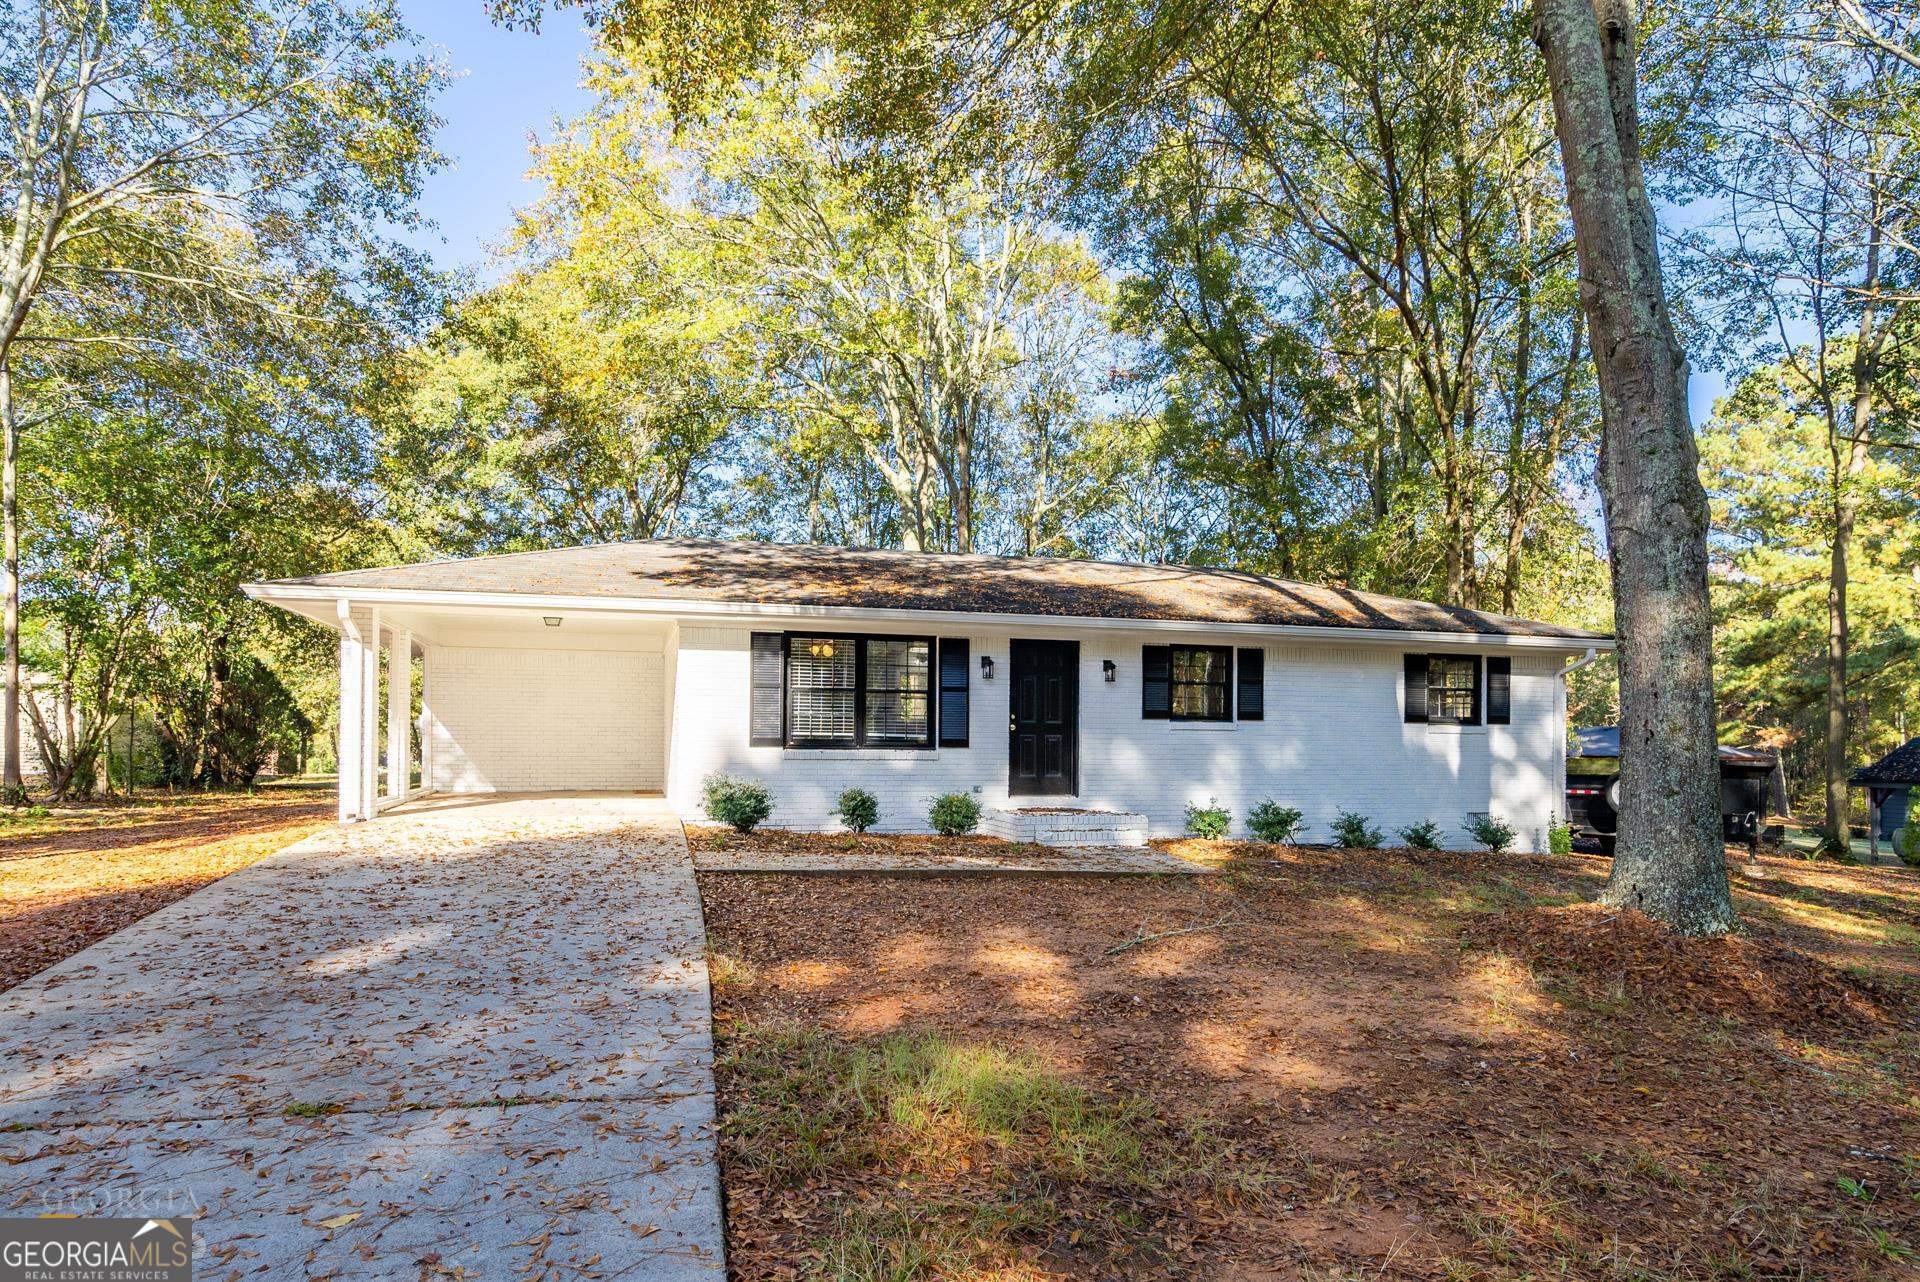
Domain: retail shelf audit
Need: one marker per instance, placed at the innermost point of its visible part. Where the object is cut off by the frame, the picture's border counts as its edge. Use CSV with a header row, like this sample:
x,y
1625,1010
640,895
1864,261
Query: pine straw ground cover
x,y
780,841
1379,1064
79,873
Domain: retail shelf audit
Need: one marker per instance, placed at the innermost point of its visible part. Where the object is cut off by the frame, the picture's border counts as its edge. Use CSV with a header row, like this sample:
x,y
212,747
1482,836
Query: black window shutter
x,y
955,653
1416,682
1156,682
768,718
1499,691
1253,685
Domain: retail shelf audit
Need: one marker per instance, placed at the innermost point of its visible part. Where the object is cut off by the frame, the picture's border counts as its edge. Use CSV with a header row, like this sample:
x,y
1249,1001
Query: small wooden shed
x,y
1888,782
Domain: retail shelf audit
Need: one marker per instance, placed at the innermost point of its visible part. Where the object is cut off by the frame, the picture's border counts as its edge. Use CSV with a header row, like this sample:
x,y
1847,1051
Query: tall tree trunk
x,y
1847,466
1670,860
1846,507
13,784
1518,484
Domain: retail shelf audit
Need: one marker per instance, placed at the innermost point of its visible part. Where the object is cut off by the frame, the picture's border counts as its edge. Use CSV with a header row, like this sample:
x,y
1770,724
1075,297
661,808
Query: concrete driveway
x,y
466,1041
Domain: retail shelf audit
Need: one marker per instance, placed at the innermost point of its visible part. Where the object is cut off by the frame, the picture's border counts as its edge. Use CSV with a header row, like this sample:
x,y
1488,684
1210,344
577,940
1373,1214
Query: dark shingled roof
x,y
1901,766
800,574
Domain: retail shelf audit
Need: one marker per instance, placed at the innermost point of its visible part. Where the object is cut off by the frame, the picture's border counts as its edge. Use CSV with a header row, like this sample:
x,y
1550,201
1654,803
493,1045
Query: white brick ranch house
x,y
1036,684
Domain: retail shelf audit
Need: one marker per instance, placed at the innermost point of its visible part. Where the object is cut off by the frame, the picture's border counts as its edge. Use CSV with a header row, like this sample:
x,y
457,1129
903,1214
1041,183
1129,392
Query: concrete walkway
x,y
467,1041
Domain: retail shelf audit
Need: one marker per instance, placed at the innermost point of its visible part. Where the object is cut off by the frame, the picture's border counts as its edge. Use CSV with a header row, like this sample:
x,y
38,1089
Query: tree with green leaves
x,y
725,299
138,143
565,405
1810,170
167,478
1767,457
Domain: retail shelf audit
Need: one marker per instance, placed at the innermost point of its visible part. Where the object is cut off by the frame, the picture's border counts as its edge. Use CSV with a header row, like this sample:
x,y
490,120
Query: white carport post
x,y
354,657
399,713
425,728
359,711
369,755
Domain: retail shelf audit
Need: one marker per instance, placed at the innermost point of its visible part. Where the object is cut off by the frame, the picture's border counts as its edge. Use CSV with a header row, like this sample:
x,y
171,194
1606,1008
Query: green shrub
x,y
858,809
1424,835
1210,821
1906,841
954,814
1560,839
740,804
1271,821
1354,832
1495,834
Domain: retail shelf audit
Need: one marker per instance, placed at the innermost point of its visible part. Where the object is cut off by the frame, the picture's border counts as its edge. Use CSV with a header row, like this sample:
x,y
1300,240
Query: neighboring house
x,y
1888,782
1037,684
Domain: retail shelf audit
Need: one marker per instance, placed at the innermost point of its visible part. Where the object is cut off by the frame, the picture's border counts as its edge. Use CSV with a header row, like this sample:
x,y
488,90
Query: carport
x,y
457,697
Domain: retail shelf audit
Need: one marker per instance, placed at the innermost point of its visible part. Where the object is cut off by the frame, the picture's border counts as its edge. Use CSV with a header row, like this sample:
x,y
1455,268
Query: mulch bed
x,y
780,841
1441,1069
82,873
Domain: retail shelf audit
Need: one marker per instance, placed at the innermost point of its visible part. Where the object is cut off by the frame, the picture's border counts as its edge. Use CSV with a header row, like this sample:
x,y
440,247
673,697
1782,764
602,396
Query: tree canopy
x,y
1291,289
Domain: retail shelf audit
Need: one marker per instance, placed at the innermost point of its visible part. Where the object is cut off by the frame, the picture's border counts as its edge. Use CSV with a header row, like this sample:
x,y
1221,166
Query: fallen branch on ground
x,y
1138,940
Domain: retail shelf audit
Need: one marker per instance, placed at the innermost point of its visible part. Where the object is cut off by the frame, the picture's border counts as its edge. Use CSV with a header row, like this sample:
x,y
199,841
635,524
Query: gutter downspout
x,y
1592,655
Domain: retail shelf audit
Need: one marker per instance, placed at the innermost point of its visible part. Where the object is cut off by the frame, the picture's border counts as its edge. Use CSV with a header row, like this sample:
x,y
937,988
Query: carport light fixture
x,y
551,620
986,667
1109,669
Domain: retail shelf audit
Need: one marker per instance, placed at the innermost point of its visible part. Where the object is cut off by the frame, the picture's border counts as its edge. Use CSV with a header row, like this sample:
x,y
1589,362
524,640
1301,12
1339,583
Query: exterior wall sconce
x,y
551,620
986,667
1109,669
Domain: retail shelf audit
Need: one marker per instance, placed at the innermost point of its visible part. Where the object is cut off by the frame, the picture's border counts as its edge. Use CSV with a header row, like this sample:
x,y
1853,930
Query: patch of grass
x,y
936,1240
982,1149
726,969
1890,1246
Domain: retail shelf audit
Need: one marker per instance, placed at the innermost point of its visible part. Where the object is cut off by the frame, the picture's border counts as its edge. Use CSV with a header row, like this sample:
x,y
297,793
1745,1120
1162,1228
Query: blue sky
x,y
510,85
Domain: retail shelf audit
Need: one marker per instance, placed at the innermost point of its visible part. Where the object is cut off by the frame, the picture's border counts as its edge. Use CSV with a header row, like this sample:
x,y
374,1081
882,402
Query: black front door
x,y
1045,720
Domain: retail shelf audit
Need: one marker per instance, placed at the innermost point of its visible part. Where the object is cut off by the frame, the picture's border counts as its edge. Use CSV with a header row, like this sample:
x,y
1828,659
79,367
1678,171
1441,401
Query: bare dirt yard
x,y
1323,1064
81,872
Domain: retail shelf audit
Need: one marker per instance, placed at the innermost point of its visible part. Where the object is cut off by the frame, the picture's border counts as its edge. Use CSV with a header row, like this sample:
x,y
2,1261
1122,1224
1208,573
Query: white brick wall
x,y
515,719
1332,739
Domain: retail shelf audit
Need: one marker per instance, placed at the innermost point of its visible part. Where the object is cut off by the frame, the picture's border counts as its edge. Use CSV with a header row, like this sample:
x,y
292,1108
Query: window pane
x,y
820,676
1198,665
1217,700
820,661
1200,683
896,717
899,673
898,665
1450,689
821,714
1189,701
1200,701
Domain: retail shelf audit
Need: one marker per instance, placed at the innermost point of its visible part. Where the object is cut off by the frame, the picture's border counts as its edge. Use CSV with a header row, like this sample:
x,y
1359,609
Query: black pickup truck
x,y
1753,789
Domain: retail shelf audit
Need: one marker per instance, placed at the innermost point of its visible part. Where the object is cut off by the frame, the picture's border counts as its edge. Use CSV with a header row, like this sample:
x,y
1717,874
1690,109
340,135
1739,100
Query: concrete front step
x,y
1049,826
